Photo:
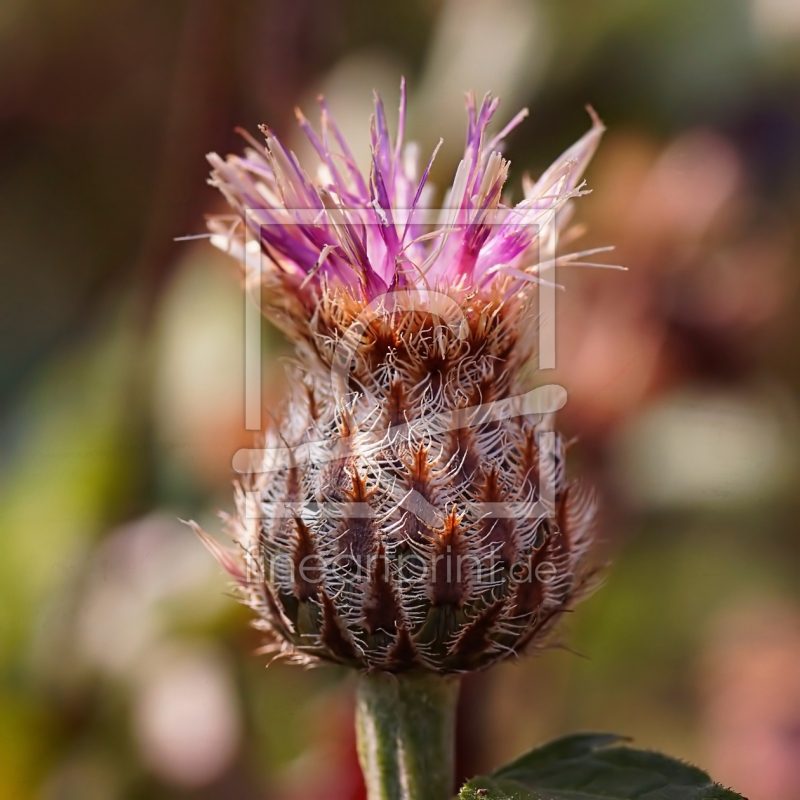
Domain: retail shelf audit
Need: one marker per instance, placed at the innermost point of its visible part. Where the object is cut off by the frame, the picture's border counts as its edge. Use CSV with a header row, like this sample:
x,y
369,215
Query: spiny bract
x,y
411,510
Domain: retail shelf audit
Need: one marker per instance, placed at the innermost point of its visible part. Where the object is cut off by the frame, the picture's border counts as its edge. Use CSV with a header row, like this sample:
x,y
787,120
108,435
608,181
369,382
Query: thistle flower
x,y
411,511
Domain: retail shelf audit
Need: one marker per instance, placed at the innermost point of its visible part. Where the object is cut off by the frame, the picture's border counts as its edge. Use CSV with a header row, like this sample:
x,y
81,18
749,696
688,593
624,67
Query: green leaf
x,y
595,766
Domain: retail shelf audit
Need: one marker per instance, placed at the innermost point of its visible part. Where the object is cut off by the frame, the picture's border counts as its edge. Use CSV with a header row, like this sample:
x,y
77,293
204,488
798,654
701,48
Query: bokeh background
x,y
125,669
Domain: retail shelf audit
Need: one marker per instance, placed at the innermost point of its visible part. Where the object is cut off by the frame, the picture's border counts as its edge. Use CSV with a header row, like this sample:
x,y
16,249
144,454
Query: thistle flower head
x,y
411,510
369,234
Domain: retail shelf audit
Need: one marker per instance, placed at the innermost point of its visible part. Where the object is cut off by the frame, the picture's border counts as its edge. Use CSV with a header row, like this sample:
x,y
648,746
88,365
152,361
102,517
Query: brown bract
x,y
397,526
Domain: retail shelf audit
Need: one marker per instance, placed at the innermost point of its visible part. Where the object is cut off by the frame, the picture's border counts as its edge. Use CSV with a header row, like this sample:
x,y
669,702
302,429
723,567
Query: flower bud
x,y
411,510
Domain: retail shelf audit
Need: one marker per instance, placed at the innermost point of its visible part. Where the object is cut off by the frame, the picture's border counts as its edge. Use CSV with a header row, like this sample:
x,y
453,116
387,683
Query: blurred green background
x,y
125,669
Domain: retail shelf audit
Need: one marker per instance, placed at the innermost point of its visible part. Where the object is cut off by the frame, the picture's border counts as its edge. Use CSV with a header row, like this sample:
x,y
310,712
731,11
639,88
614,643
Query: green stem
x,y
405,725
